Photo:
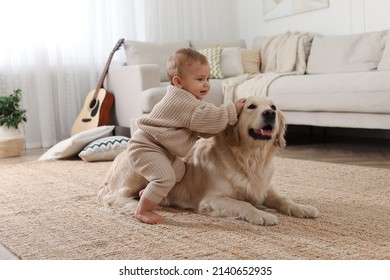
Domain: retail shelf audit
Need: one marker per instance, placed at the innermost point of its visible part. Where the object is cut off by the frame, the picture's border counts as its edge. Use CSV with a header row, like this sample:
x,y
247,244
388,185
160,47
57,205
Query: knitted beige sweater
x,y
180,118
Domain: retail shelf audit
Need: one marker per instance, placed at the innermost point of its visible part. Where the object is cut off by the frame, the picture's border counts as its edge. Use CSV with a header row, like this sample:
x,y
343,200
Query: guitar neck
x,y
104,74
106,67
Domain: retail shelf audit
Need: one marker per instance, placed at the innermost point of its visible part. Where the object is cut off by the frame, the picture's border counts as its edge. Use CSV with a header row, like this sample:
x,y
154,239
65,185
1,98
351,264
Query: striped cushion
x,y
214,57
104,149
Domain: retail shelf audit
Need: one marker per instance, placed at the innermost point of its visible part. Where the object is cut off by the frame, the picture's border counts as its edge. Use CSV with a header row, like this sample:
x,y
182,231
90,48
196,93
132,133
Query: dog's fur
x,y
228,175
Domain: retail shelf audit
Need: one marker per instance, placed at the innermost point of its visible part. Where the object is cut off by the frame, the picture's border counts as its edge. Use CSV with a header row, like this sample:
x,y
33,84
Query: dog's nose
x,y
269,114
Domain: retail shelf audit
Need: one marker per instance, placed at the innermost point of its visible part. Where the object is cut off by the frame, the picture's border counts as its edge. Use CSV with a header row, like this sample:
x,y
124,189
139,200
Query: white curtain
x,y
55,50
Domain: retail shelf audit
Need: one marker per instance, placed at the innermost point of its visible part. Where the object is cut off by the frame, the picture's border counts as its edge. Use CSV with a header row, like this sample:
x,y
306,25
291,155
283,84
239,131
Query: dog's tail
x,y
119,201
121,188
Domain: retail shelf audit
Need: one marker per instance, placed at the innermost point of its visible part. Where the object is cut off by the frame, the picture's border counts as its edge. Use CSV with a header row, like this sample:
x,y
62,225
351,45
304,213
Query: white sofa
x,y
346,84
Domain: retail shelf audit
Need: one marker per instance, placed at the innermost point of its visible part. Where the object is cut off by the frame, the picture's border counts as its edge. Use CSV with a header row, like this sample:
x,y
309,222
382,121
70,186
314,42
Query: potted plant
x,y
11,132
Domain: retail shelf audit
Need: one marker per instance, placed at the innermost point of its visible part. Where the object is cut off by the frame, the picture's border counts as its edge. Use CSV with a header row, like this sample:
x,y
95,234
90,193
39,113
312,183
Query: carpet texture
x,y
48,210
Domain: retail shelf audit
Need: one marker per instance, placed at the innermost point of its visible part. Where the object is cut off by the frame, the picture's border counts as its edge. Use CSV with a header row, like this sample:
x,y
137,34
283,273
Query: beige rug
x,y
48,210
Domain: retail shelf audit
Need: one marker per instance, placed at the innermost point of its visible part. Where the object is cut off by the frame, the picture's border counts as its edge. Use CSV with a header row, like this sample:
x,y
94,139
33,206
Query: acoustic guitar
x,y
98,103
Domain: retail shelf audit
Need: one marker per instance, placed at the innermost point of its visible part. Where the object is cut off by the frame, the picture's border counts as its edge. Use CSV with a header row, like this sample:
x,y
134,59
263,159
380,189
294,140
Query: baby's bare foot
x,y
145,214
149,217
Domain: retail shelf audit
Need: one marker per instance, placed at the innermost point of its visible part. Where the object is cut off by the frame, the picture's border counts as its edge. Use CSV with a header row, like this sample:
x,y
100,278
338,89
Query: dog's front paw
x,y
264,219
304,211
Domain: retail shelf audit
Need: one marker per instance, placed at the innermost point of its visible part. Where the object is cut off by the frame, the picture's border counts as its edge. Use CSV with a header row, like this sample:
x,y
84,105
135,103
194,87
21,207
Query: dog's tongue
x,y
267,132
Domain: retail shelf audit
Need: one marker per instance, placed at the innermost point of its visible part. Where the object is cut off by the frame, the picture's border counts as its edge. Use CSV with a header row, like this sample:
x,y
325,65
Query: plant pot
x,y
11,141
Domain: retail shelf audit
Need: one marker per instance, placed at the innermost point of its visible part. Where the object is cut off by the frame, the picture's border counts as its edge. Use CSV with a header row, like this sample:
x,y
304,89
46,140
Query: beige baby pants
x,y
152,161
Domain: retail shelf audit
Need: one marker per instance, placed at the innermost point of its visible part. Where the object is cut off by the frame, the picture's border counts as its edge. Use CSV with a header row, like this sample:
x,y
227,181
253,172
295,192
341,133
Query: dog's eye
x,y
252,106
273,107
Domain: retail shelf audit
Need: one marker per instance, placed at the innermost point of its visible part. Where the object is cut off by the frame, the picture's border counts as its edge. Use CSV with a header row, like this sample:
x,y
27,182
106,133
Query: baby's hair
x,y
181,59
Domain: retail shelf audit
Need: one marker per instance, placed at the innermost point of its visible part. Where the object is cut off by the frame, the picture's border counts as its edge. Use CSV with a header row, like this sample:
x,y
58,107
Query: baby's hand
x,y
239,105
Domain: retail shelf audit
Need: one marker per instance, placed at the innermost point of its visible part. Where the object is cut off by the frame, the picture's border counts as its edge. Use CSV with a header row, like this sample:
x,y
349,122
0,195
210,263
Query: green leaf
x,y
10,112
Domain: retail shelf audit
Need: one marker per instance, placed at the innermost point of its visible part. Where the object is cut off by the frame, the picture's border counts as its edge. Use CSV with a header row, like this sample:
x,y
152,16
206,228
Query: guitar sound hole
x,y
95,110
92,104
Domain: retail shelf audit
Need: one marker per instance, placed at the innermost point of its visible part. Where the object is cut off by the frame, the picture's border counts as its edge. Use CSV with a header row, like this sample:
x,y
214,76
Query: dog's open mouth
x,y
264,133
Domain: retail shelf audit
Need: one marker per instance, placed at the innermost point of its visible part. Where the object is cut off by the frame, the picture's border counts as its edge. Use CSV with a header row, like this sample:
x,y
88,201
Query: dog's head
x,y
260,120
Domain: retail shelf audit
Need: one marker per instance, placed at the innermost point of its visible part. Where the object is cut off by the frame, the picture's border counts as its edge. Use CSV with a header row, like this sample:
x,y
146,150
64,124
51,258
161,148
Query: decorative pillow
x,y
138,52
346,53
73,145
104,149
214,57
231,64
384,63
250,61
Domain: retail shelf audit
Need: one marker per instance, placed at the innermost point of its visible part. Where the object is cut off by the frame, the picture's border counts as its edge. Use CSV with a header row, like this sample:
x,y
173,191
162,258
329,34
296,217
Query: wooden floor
x,y
363,152
370,153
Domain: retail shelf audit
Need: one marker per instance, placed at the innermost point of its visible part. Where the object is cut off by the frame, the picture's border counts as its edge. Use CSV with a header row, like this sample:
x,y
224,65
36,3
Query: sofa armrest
x,y
127,84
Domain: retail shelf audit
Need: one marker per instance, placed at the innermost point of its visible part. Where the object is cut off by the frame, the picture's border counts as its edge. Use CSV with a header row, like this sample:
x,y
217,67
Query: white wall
x,y
342,17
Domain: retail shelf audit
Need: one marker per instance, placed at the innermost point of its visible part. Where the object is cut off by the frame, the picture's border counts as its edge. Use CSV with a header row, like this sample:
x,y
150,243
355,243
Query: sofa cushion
x,y
231,63
138,52
362,92
204,44
215,95
250,61
214,57
384,63
151,96
346,53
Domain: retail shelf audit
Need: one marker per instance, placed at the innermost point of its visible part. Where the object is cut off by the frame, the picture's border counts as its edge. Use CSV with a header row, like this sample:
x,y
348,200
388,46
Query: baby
x,y
172,128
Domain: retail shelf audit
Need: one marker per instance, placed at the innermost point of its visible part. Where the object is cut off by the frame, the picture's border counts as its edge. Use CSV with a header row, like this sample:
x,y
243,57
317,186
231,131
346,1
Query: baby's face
x,y
196,79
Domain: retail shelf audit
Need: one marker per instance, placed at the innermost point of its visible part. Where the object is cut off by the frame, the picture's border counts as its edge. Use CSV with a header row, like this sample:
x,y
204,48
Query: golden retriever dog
x,y
227,175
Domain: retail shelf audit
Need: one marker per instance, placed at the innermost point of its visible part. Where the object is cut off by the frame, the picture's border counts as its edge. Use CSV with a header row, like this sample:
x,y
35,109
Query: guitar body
x,y
98,103
95,112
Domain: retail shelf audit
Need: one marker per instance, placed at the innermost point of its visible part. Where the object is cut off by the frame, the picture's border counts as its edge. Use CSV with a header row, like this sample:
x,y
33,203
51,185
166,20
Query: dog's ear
x,y
280,141
231,134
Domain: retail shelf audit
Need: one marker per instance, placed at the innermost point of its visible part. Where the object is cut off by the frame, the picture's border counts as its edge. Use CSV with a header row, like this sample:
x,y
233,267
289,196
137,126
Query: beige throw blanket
x,y
281,55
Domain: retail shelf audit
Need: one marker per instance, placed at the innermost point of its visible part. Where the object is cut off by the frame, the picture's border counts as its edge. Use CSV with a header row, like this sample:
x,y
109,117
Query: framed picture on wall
x,y
280,8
